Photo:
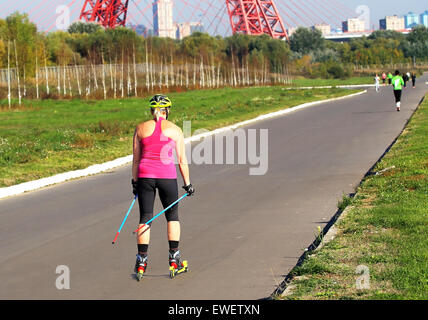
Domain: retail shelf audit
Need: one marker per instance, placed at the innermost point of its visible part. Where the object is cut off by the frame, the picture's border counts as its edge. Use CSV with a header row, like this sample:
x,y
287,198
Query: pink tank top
x,y
157,158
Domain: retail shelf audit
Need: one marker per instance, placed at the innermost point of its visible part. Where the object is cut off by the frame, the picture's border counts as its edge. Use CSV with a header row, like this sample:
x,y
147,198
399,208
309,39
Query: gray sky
x,y
43,11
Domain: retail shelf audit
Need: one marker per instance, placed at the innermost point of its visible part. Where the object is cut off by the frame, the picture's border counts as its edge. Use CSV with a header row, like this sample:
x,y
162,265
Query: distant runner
x,y
383,78
390,76
377,81
397,83
414,80
405,79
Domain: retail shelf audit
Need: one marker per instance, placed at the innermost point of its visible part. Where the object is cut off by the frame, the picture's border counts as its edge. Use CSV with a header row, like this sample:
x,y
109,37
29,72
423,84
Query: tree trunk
x,y
135,71
77,76
147,69
104,75
8,75
17,73
160,75
25,86
46,70
69,83
58,77
166,74
115,77
194,72
37,76
122,84
187,75
65,88
172,71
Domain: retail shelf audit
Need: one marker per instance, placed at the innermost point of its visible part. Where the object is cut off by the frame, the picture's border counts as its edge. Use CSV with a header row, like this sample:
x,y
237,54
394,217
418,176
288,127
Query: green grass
x,y
304,82
43,138
385,229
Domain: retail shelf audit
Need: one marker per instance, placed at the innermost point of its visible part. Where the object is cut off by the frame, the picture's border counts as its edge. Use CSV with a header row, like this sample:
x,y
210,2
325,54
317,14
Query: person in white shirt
x,y
377,82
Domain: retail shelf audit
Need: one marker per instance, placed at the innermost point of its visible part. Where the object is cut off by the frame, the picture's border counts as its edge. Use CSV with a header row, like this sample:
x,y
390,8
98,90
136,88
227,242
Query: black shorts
x,y
168,193
397,94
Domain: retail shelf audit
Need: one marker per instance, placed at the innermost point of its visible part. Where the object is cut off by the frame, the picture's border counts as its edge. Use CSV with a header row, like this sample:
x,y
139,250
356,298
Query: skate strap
x,y
175,254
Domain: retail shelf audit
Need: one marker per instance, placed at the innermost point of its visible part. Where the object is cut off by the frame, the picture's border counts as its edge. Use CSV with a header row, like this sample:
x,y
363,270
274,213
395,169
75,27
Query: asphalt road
x,y
241,234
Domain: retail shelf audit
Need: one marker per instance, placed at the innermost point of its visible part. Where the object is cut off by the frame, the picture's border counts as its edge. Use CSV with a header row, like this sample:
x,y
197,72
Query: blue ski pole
x,y
123,222
169,207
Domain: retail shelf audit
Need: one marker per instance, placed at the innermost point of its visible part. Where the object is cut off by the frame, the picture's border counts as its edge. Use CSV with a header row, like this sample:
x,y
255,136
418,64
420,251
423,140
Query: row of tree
x,y
89,60
89,43
28,54
310,51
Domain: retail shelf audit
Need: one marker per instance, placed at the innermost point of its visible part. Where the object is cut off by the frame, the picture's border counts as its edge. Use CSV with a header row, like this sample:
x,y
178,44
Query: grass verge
x,y
385,231
43,138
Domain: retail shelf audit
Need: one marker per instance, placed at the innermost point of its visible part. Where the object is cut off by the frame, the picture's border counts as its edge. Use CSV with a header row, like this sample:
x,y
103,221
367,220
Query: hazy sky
x,y
43,11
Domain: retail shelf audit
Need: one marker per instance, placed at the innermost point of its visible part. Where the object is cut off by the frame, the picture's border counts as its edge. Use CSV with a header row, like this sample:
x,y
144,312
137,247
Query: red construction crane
x,y
255,17
108,13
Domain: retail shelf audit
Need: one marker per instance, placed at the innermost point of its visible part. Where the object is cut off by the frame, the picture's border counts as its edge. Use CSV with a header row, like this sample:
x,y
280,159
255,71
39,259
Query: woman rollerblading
x,y
153,170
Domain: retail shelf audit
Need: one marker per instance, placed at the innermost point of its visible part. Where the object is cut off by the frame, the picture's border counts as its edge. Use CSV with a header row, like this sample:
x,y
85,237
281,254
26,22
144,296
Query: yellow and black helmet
x,y
160,101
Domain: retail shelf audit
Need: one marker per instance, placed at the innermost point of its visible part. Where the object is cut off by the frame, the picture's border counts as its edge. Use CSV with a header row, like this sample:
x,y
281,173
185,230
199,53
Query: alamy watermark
x,y
363,12
62,21
363,280
239,146
62,282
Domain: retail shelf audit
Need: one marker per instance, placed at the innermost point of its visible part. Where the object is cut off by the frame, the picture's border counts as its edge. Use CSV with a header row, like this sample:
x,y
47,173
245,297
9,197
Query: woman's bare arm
x,y
137,155
181,156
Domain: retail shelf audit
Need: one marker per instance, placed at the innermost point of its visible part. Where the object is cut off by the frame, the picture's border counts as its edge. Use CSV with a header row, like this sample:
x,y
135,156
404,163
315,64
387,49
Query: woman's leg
x,y
146,199
168,193
397,94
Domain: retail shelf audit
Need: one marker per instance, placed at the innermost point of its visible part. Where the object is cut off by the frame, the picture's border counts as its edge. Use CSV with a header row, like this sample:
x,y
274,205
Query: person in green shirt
x,y
397,83
390,78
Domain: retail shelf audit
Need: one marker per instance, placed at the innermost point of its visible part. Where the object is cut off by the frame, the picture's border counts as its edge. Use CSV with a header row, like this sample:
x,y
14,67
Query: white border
x,y
98,168
331,87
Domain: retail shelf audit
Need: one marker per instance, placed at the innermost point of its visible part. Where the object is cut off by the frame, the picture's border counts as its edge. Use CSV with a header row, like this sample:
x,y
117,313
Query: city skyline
x,y
379,9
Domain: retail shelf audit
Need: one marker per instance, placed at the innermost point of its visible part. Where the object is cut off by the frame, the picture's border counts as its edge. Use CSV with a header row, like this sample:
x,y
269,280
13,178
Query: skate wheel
x,y
140,276
172,273
186,266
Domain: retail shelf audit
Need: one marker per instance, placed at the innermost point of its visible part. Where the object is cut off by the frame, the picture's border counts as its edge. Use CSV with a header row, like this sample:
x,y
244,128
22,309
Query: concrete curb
x,y
328,237
330,87
99,168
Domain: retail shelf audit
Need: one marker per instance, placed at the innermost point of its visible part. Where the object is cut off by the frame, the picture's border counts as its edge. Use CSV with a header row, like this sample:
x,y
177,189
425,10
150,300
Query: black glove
x,y
189,189
134,187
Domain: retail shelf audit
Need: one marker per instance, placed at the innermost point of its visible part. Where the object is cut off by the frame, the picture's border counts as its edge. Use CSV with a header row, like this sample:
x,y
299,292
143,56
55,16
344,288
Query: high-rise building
x,y
163,18
185,29
424,18
392,23
353,25
291,30
411,20
142,30
324,28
